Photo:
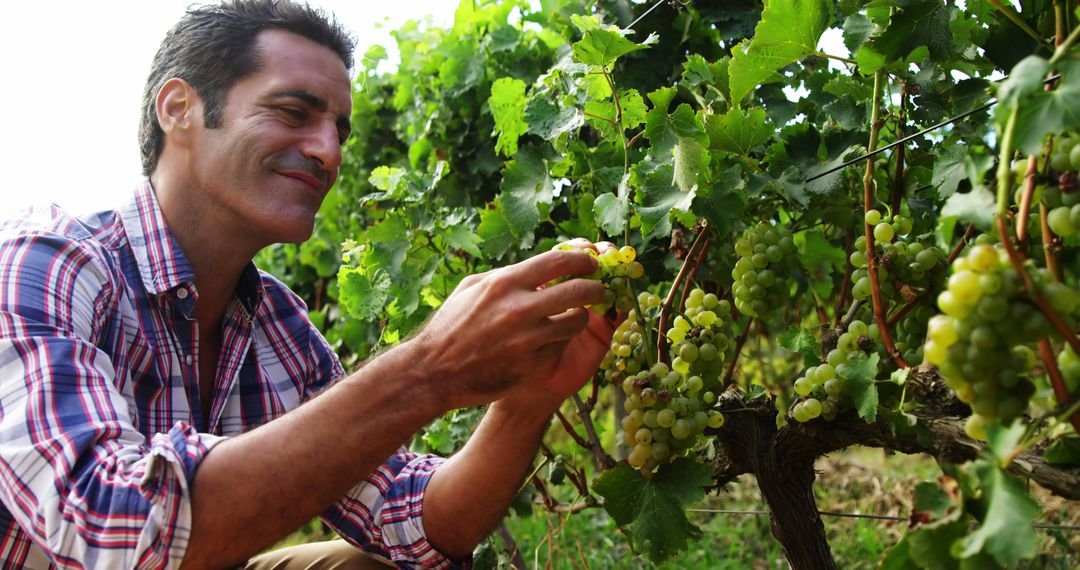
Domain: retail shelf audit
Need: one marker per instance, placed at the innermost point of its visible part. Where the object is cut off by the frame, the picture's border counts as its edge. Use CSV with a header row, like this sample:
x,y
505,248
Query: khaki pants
x,y
328,555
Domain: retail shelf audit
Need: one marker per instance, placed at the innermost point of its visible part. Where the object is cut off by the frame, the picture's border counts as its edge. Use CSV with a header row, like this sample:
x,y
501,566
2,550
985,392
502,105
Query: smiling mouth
x,y
309,182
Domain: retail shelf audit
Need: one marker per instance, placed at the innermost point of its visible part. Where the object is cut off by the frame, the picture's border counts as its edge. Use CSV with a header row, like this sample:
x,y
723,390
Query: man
x,y
151,378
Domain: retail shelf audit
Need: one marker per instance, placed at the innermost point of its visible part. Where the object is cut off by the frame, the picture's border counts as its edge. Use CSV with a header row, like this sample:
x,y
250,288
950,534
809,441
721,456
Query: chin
x,y
288,230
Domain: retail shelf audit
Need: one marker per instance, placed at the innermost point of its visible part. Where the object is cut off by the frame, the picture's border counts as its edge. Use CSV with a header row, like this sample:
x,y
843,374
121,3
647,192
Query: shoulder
x,y
56,269
52,237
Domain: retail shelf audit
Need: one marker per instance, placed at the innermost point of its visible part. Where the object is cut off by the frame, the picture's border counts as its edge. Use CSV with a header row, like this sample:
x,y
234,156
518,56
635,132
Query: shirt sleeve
x,y
75,474
384,514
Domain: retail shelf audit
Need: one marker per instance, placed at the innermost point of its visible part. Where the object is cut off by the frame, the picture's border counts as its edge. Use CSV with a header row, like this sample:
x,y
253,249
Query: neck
x,y
215,246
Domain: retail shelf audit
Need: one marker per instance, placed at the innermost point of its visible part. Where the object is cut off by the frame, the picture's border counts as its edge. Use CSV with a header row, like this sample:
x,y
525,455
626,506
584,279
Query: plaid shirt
x,y
101,429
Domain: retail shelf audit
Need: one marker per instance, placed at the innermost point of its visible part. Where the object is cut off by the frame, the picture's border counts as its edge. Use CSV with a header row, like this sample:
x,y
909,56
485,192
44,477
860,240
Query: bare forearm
x,y
470,493
254,489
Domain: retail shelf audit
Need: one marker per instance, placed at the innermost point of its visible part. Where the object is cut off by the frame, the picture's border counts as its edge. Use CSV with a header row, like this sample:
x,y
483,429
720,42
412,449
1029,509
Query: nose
x,y
321,145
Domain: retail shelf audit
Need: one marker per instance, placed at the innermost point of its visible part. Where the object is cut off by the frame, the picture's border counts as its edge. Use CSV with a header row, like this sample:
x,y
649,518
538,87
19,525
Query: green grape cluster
x,y
616,268
698,340
628,353
981,342
820,389
765,253
665,412
904,263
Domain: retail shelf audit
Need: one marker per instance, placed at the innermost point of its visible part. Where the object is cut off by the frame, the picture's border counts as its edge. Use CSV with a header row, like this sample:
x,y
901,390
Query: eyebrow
x,y
344,125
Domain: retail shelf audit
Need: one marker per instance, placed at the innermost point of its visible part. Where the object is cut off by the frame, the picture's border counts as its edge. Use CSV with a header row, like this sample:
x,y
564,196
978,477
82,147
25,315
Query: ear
x,y
179,110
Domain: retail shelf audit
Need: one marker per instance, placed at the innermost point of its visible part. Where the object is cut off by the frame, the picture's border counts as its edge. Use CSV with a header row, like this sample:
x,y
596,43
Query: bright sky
x,y
73,76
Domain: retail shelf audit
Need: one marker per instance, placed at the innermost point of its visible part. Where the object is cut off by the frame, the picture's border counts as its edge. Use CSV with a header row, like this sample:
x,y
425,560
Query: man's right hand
x,y
502,327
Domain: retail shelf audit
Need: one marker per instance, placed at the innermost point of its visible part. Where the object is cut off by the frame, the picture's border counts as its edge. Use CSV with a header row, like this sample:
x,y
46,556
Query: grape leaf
x,y
788,31
937,503
859,375
652,512
721,202
817,253
1046,112
494,229
1025,78
976,207
739,131
899,556
1065,451
931,548
611,209
657,197
917,24
1006,532
463,238
949,169
634,110
688,161
803,342
658,128
1002,441
601,115
507,102
602,46
857,29
362,296
525,184
548,120
604,115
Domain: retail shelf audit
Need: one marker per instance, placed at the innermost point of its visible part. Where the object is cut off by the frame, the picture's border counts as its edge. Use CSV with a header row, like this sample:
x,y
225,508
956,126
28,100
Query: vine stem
x,y
582,488
836,57
868,204
569,428
669,301
603,460
1061,393
1025,200
693,273
738,350
1018,263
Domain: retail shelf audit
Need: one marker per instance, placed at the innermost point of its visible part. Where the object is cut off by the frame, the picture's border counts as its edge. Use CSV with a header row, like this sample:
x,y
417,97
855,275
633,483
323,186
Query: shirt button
x,y
187,359
181,293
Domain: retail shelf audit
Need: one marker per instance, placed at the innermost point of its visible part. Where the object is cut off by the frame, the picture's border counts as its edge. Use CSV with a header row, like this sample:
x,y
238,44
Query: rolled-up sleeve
x,y
75,474
384,514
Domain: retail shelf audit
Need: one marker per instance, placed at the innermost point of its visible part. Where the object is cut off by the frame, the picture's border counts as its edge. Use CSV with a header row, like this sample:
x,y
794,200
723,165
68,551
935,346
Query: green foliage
x,y
789,30
652,511
520,126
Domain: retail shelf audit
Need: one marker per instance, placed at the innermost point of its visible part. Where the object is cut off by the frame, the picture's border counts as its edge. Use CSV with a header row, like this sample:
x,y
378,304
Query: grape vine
x,y
798,272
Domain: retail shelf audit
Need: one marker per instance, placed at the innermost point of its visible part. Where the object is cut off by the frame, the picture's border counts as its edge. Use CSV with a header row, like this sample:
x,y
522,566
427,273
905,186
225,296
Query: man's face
x,y
278,149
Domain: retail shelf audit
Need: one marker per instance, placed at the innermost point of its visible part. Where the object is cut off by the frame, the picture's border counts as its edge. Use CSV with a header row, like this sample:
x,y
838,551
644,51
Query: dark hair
x,y
213,46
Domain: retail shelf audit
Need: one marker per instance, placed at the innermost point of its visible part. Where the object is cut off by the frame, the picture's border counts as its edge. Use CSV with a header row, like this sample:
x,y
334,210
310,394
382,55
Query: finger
x,y
567,295
548,355
468,282
602,246
536,271
567,324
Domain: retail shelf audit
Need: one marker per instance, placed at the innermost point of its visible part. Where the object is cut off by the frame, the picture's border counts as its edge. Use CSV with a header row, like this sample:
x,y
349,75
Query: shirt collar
x,y
162,264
